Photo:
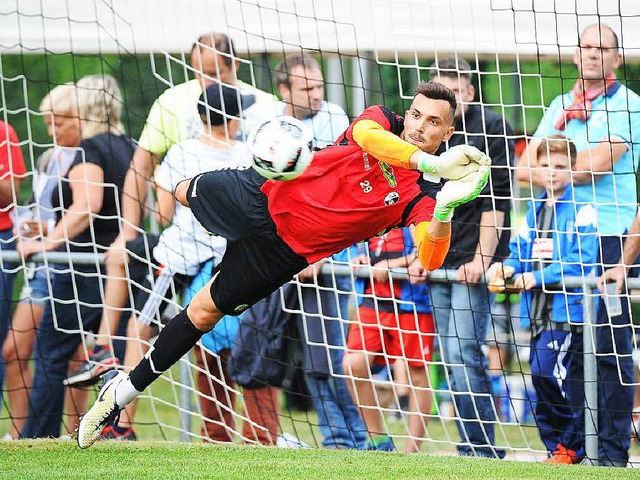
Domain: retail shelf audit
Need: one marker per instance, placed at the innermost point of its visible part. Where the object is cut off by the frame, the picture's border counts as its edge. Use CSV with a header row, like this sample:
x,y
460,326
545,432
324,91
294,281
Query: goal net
x,y
350,354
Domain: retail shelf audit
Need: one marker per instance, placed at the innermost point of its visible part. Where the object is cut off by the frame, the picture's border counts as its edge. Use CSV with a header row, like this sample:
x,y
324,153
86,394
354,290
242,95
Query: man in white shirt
x,y
301,86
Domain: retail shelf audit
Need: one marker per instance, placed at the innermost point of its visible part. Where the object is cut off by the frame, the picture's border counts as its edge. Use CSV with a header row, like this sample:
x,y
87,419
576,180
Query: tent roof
x,y
406,28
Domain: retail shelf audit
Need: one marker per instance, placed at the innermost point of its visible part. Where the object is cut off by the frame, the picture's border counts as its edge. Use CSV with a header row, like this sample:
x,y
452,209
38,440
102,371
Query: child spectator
x,y
394,322
560,241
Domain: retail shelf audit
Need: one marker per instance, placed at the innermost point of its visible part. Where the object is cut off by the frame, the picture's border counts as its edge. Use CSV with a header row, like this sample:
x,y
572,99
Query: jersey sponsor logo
x,y
365,161
387,171
391,198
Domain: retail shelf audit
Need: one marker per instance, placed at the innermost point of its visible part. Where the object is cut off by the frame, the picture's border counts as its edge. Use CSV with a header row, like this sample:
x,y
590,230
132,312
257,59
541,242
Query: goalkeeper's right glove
x,y
455,163
457,192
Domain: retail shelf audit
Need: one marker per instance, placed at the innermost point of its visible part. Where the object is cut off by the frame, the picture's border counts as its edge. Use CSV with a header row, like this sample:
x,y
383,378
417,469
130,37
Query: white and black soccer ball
x,y
281,148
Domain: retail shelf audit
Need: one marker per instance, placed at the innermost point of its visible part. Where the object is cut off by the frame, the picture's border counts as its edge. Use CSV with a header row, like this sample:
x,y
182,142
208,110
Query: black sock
x,y
175,339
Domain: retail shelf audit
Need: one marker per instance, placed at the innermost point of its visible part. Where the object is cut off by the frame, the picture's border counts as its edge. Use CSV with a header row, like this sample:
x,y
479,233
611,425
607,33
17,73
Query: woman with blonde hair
x,y
87,206
59,109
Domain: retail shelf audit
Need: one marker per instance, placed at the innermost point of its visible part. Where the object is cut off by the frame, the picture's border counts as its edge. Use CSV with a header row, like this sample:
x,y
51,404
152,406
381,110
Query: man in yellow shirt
x,y
174,118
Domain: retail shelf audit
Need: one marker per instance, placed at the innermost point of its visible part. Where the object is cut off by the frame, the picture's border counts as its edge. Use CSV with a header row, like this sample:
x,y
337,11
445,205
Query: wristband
x,y
428,164
443,214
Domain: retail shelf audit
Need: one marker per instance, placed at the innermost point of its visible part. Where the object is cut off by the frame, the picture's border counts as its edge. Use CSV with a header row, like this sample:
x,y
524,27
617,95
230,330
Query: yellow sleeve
x,y
382,144
431,251
161,130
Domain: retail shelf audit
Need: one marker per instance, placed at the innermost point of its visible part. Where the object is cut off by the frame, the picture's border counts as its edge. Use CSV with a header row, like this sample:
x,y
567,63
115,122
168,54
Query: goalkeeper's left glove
x,y
457,192
455,163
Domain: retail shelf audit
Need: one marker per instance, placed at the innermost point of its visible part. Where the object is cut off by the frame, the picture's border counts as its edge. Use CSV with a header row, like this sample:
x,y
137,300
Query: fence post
x,y
186,404
590,379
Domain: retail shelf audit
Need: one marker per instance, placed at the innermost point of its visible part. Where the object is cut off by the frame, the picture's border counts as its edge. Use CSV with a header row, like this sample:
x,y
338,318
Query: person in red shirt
x,y
11,172
369,181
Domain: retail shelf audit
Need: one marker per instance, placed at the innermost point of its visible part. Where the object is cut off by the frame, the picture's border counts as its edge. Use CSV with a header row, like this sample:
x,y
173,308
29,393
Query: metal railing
x,y
589,286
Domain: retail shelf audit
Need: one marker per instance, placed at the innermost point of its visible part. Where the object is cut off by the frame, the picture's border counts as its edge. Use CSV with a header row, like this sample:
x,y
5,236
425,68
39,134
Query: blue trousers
x,y
321,329
462,315
6,298
557,376
614,345
56,341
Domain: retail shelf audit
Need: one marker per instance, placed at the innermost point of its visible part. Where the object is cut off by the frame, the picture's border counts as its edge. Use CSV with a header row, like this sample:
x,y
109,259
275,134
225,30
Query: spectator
x,y
11,169
394,322
174,118
177,254
86,206
479,236
217,390
60,111
602,118
559,241
317,319
301,86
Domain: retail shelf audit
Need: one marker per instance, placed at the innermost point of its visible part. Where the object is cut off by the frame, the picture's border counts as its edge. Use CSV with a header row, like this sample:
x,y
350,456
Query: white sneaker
x,y
286,440
103,412
7,437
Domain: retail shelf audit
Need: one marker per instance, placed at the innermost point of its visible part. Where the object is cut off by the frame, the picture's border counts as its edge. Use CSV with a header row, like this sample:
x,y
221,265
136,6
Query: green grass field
x,y
159,455
63,459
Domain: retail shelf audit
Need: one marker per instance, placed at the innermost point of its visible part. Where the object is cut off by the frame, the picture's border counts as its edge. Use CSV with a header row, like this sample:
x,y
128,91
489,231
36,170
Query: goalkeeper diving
x,y
380,174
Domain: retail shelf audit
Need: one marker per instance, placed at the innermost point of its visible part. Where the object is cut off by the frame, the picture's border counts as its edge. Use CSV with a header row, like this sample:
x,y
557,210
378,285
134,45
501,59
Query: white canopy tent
x,y
511,28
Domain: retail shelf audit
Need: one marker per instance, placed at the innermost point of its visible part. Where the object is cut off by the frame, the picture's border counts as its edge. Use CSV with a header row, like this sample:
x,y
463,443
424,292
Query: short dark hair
x,y
283,69
450,68
220,42
557,144
437,91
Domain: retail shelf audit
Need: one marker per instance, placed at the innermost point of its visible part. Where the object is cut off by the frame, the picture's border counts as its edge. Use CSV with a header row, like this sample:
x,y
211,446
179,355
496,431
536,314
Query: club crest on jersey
x,y
391,198
387,171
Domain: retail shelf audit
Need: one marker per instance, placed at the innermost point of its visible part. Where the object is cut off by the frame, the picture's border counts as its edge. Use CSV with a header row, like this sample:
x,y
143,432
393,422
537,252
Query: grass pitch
x,y
53,459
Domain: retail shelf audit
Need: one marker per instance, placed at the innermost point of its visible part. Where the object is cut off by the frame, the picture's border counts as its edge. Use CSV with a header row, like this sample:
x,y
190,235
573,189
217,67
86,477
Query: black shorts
x,y
257,261
229,203
147,278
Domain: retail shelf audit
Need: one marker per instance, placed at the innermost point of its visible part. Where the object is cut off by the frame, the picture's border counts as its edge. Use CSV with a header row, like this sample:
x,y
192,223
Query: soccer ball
x,y
281,148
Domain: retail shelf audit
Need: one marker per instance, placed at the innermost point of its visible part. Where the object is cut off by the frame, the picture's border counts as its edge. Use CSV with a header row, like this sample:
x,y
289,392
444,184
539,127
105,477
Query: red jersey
x,y
346,195
11,164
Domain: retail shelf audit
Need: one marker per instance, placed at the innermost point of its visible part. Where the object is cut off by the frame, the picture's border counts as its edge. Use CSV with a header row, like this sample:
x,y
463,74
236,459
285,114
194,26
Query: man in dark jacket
x,y
461,310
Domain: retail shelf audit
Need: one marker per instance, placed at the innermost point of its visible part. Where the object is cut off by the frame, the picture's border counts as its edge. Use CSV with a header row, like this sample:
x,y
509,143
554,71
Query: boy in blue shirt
x,y
559,241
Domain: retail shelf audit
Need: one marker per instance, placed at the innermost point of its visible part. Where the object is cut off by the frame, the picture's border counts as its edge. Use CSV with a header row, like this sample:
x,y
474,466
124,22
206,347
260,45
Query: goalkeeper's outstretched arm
x,y
456,163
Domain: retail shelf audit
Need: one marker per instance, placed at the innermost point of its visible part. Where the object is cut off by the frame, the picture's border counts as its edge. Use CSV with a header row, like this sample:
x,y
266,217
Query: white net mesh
x,y
521,57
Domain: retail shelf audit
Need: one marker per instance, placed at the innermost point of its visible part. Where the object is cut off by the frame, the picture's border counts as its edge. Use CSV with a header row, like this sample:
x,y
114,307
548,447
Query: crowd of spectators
x,y
89,189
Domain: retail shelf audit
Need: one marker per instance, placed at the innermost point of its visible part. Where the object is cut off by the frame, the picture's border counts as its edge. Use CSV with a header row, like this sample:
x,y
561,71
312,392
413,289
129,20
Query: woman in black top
x,y
87,202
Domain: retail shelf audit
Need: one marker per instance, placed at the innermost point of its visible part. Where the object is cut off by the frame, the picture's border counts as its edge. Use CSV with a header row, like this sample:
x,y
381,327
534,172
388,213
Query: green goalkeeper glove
x,y
457,192
455,163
